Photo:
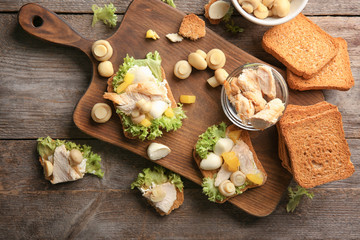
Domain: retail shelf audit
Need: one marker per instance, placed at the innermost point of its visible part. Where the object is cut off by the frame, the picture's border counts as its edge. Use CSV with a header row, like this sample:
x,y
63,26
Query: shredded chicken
x,y
266,81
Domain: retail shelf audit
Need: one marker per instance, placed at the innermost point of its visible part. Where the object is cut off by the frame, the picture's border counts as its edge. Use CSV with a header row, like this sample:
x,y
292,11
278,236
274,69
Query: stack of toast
x,y
312,144
314,59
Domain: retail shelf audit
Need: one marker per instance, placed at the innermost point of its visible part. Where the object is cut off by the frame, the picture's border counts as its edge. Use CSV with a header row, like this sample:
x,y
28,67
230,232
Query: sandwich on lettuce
x,y
67,161
228,162
143,98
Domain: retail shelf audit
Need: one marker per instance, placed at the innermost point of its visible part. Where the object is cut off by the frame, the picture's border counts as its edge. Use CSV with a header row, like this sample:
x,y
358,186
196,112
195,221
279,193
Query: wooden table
x,y
40,85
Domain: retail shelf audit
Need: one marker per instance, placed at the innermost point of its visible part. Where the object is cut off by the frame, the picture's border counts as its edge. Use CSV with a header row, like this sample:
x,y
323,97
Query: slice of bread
x,y
246,138
335,75
318,149
300,45
178,202
110,89
192,27
206,7
294,113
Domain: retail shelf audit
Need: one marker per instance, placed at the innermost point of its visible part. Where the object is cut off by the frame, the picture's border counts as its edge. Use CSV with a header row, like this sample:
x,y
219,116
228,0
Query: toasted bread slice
x,y
110,88
178,202
318,149
335,75
295,113
207,6
246,138
192,27
301,45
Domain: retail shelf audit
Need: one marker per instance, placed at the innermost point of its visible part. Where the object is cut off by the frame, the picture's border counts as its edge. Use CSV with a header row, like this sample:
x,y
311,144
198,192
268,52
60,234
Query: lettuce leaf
x,y
213,192
105,14
170,2
157,125
158,175
208,139
295,197
46,147
152,60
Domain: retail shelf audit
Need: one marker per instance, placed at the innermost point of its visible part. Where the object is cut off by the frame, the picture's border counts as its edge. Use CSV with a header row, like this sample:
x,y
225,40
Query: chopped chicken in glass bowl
x,y
254,96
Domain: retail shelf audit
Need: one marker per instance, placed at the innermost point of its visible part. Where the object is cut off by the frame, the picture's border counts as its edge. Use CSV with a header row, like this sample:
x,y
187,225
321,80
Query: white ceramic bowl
x,y
281,92
296,7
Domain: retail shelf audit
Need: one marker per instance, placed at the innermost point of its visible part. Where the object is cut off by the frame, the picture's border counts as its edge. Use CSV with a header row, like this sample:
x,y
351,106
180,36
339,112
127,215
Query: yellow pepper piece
x,y
255,178
145,122
169,112
152,34
231,161
234,135
128,79
187,99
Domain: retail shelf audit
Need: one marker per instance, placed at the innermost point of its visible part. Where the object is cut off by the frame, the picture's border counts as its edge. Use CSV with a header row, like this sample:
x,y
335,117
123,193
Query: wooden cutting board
x,y
130,39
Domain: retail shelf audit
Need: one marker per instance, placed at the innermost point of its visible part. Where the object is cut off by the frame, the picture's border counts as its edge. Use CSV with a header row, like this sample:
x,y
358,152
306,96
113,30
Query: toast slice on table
x,y
250,166
335,75
192,27
294,113
148,90
301,45
318,149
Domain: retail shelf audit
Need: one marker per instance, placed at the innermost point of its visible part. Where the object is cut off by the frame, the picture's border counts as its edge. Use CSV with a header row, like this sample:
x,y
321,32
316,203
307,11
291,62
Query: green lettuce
x,y
208,139
46,147
152,60
157,125
170,2
105,14
295,197
213,192
158,175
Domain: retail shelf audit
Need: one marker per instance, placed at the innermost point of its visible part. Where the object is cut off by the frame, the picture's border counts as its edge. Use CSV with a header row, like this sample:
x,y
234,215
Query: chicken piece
x,y
149,88
234,87
228,92
269,115
266,81
169,199
222,175
126,101
62,171
246,157
250,88
244,107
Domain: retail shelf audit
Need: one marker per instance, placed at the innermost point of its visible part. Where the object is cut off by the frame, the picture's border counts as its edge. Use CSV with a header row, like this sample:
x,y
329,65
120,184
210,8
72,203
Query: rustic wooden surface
x,y
42,82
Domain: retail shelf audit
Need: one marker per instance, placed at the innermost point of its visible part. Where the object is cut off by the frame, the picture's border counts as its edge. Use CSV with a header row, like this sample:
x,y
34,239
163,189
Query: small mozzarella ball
x,y
223,145
105,69
211,162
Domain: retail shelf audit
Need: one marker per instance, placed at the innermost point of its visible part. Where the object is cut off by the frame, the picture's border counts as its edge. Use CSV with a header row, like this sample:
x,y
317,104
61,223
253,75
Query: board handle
x,y
45,24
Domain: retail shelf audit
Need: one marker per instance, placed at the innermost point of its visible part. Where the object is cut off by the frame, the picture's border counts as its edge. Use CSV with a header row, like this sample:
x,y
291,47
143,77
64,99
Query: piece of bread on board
x,y
110,89
295,113
300,45
177,203
206,7
192,27
318,149
335,75
246,138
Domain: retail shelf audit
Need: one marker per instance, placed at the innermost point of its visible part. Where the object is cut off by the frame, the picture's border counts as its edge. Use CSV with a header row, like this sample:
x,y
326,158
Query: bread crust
x,y
246,138
192,27
300,30
110,89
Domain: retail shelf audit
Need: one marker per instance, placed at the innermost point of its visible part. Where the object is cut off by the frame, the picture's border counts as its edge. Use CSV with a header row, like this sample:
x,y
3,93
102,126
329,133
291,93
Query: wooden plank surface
x,y
29,69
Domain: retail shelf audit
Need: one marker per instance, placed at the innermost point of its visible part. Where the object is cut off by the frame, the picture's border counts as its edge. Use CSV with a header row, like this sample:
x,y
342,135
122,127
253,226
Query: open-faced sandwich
x,y
161,188
228,162
143,98
67,161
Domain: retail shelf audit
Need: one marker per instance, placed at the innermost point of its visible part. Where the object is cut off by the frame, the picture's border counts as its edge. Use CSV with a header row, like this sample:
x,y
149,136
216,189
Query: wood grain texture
x,y
314,7
107,208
